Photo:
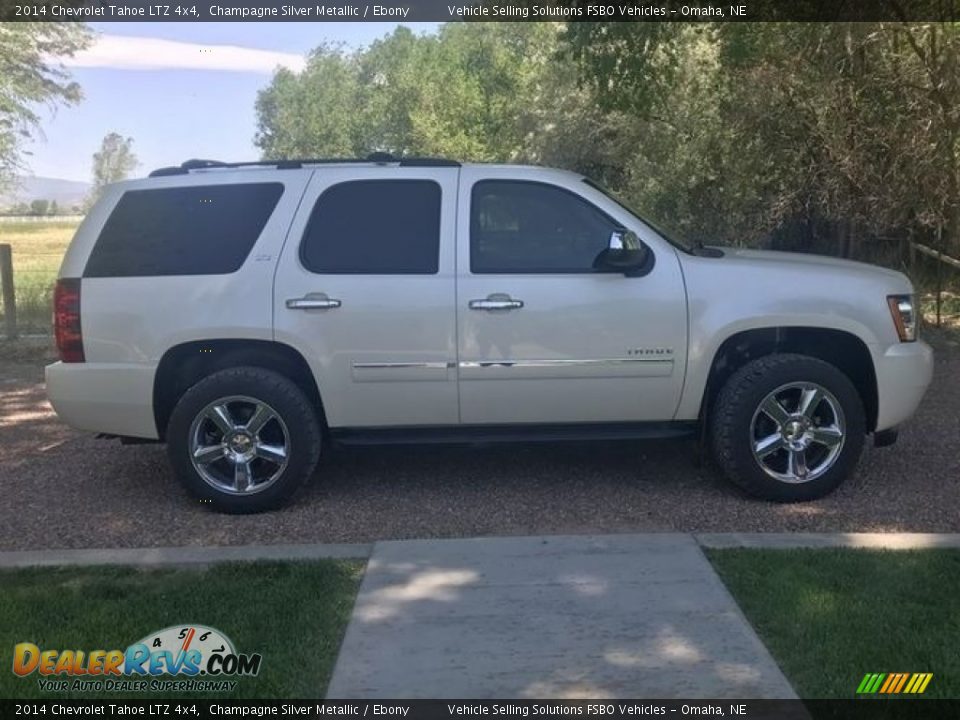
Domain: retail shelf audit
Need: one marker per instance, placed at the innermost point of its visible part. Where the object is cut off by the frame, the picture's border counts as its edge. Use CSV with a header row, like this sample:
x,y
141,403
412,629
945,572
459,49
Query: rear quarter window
x,y
196,230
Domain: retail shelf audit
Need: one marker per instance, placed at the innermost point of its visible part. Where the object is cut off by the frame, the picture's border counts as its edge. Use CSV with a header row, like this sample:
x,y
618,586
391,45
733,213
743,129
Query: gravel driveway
x,y
64,489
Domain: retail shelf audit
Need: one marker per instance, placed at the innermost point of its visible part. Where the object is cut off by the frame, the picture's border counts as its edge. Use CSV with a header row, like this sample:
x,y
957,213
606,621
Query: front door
x,y
365,290
545,338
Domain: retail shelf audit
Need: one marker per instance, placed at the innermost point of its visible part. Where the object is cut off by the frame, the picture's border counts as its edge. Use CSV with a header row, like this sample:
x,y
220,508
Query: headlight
x,y
903,310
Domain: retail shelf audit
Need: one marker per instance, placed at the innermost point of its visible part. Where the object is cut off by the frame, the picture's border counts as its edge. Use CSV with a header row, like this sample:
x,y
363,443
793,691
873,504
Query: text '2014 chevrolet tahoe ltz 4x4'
x,y
249,314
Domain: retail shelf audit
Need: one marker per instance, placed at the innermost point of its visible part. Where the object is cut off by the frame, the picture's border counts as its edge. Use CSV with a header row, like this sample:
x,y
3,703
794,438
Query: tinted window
x,y
377,227
527,227
197,230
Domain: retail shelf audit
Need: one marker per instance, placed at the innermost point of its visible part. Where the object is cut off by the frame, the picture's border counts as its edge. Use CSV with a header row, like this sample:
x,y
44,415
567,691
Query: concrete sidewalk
x,y
613,616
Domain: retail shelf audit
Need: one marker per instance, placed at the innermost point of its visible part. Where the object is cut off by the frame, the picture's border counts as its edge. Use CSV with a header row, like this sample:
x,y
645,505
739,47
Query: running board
x,y
430,435
126,439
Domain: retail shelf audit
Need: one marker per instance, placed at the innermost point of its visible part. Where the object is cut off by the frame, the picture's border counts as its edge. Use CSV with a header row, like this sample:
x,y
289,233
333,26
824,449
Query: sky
x,y
179,90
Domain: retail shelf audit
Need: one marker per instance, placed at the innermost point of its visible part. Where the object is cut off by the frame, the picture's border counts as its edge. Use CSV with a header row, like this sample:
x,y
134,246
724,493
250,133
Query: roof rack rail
x,y
196,164
427,162
297,163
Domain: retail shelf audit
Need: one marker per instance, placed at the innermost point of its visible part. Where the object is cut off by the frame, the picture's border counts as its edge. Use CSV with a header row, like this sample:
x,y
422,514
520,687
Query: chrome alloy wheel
x,y
239,445
797,432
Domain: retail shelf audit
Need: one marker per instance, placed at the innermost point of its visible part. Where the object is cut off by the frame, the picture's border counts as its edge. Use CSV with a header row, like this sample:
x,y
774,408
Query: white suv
x,y
247,314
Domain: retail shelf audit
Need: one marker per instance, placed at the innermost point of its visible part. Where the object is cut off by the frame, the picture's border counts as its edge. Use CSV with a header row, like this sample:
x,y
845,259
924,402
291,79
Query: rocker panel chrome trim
x,y
566,368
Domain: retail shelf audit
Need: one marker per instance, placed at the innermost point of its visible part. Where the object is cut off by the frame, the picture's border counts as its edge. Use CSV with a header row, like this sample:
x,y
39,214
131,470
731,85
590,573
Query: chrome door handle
x,y
313,302
496,303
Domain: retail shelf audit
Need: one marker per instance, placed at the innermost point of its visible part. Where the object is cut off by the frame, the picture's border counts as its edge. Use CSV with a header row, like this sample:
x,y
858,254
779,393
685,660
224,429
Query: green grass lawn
x,y
293,614
37,250
831,616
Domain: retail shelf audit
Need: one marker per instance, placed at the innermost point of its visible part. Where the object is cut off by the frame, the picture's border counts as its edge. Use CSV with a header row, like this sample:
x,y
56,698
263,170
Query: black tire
x,y
294,421
733,430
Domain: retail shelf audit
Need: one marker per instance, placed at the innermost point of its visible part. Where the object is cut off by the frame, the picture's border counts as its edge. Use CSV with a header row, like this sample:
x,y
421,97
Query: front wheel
x,y
243,439
788,428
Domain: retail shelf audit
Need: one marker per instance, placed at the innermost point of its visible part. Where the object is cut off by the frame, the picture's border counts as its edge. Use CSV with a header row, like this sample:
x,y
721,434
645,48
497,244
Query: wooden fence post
x,y
9,298
939,283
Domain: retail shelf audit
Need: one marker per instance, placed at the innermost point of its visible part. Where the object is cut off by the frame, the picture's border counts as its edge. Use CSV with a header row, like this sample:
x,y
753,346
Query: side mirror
x,y
625,253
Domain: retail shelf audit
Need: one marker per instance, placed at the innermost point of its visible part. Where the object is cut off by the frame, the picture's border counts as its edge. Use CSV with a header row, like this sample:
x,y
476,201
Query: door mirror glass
x,y
624,253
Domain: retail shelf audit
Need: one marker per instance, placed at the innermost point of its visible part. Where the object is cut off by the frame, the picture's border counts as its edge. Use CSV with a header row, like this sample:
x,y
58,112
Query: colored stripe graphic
x,y
894,683
891,678
903,680
870,683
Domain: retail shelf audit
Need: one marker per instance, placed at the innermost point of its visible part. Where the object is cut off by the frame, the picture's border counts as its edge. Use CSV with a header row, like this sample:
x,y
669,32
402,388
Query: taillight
x,y
66,320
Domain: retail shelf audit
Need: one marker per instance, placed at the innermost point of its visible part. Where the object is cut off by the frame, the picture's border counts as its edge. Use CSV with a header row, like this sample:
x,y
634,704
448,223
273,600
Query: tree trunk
x,y
953,193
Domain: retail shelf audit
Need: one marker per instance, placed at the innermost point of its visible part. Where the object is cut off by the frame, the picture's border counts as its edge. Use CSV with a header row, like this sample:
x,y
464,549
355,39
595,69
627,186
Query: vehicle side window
x,y
531,227
194,230
374,227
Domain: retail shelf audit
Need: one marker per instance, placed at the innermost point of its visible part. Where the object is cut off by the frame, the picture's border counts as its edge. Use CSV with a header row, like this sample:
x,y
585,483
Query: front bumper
x,y
904,372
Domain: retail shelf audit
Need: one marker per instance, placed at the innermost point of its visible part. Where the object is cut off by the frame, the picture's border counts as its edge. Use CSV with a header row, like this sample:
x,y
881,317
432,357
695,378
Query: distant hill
x,y
65,192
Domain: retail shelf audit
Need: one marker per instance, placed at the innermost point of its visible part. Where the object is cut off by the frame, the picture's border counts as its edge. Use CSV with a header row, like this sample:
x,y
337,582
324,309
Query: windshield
x,y
671,236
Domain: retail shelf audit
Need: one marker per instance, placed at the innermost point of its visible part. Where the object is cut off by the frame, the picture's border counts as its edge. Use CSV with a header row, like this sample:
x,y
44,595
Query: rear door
x,y
365,290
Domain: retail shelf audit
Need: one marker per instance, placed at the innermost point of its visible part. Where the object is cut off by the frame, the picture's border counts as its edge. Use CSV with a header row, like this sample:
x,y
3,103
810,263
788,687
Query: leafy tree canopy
x,y
113,162
744,133
30,77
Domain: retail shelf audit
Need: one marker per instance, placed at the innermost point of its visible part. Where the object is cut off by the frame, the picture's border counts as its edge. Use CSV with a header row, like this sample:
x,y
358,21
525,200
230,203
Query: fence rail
x,y
936,254
40,218
942,260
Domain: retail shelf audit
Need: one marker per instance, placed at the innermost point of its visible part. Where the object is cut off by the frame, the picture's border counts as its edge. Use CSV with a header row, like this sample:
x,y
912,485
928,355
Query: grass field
x,y
37,251
293,614
831,616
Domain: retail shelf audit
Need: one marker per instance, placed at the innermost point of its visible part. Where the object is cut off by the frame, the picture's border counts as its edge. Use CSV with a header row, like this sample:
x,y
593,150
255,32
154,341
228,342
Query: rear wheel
x,y
788,428
244,439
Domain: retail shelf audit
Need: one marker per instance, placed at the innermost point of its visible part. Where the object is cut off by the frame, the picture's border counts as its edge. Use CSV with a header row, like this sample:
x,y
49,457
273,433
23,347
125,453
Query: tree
x,y
39,207
310,114
924,67
112,163
815,136
842,130
30,76
463,93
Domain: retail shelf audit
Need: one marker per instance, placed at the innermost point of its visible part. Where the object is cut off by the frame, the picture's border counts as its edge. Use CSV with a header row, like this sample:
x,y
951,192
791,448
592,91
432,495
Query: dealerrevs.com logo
x,y
200,658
